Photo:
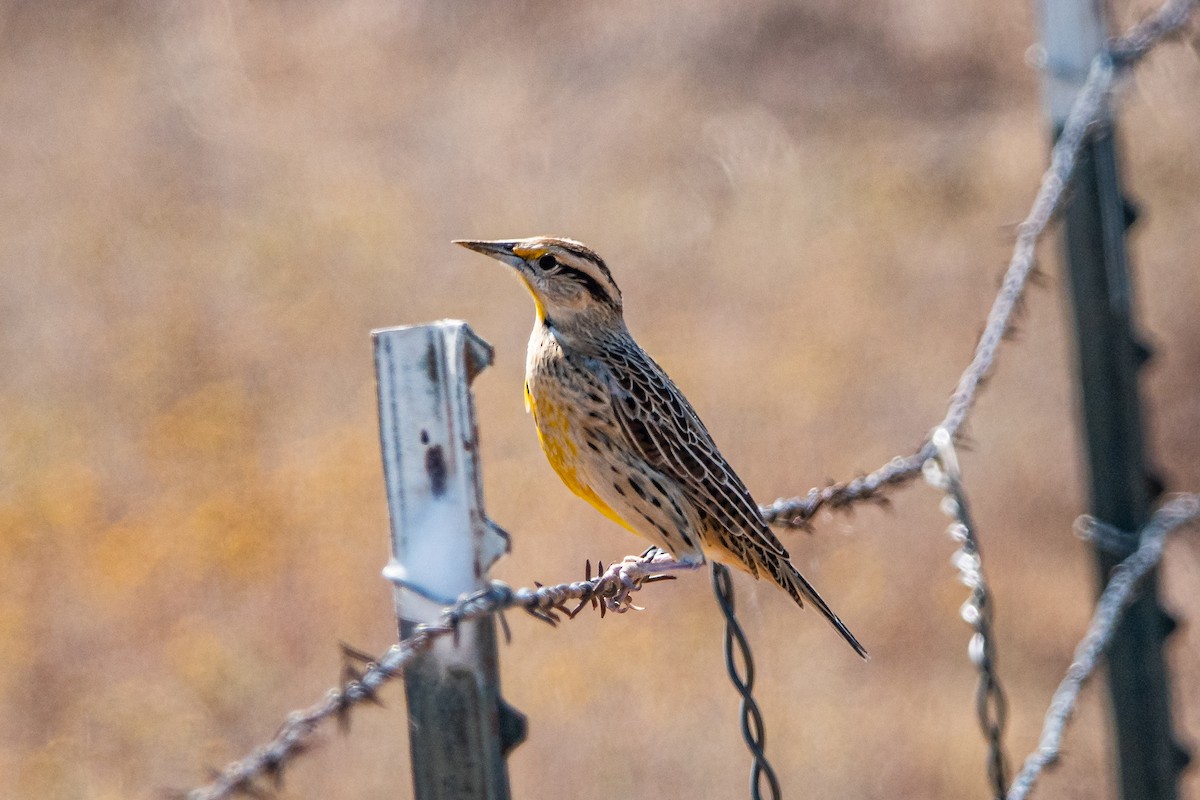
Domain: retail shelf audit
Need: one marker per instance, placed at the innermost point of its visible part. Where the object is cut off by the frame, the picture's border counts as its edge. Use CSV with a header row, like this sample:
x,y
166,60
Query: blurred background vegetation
x,y
207,206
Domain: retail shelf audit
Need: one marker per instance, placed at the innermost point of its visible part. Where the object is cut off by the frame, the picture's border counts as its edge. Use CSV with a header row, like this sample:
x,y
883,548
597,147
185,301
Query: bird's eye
x,y
547,262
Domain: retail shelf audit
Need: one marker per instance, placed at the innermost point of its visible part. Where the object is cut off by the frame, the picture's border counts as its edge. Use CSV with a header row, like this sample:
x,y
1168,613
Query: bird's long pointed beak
x,y
500,249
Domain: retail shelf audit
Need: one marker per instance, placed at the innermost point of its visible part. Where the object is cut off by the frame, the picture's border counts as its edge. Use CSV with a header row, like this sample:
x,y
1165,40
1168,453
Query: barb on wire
x,y
991,707
293,737
1089,108
737,648
797,512
1170,516
610,590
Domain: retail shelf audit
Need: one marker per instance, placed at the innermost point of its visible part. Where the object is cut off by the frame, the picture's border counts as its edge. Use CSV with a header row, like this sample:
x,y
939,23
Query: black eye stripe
x,y
550,265
593,287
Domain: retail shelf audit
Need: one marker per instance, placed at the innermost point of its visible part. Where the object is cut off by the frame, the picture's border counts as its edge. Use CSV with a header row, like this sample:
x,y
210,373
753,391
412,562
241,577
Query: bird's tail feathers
x,y
790,579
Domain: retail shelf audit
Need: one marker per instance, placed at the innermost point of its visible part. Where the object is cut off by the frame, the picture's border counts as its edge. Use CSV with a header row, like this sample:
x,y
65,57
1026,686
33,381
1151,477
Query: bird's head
x,y
570,284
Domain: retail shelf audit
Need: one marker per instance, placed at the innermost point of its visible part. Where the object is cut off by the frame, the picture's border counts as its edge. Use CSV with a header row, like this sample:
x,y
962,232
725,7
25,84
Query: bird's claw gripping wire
x,y
612,587
608,590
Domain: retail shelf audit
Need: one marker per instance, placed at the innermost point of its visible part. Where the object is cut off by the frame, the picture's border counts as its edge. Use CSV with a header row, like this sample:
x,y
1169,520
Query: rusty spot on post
x,y
435,467
431,364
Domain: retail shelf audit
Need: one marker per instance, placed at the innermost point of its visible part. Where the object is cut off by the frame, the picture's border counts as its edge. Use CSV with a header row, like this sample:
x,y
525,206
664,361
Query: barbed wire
x,y
611,590
608,591
737,647
991,708
1088,110
1170,516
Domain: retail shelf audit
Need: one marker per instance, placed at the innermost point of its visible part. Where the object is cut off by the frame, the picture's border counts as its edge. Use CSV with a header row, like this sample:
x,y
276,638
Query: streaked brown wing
x,y
666,431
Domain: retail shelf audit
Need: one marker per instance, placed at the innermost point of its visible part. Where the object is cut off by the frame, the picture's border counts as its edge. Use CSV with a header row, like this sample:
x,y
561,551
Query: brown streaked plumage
x,y
619,432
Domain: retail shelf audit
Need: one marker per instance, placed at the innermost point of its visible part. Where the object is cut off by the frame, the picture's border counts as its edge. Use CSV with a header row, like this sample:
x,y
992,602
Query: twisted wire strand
x,y
991,708
737,647
295,734
1118,593
547,602
609,591
1088,110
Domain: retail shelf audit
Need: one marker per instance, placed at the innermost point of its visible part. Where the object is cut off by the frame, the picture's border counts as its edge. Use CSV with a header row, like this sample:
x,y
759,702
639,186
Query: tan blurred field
x,y
207,206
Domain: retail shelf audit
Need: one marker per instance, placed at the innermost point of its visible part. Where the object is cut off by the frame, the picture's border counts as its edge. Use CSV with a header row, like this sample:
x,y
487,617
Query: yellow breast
x,y
557,437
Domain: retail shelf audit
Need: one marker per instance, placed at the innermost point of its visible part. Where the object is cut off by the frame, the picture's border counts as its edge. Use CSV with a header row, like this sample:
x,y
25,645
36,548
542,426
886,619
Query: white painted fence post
x,y
442,547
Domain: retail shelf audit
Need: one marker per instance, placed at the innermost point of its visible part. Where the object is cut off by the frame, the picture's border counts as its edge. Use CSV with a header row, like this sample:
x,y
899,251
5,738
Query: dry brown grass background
x,y
207,206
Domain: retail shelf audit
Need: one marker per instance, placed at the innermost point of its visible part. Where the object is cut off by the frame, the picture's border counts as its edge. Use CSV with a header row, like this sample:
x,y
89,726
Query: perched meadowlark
x,y
621,435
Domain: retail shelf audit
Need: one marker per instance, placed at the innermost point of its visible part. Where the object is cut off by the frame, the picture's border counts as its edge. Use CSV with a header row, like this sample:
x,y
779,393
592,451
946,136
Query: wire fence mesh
x,y
739,663
991,708
612,589
553,603
1089,110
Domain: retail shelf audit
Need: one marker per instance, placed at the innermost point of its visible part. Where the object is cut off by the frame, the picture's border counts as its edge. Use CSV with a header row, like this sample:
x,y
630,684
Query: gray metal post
x,y
442,547
1109,355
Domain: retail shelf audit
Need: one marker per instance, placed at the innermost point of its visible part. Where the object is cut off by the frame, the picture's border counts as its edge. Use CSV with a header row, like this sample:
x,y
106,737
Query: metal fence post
x,y
442,546
1109,356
